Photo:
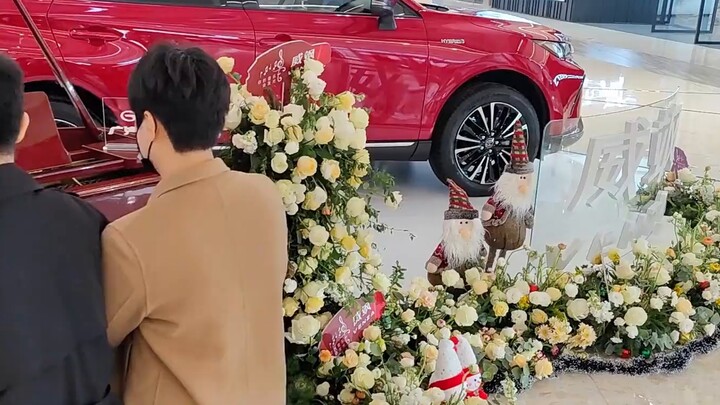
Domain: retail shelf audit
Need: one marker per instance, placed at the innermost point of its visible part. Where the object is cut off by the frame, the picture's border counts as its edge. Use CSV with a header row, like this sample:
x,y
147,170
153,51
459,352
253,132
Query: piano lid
x,y
57,71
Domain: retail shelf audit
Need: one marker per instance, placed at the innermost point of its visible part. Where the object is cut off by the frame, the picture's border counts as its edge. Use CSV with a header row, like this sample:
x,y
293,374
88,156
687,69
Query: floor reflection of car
x,y
442,85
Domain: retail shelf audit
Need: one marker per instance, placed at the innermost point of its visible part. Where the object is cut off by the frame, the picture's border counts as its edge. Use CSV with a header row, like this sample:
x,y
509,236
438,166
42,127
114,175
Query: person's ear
x,y
150,125
24,124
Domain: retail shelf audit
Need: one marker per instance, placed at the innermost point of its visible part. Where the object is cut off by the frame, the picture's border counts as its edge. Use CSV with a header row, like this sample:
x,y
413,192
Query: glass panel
x,y
119,121
587,183
677,16
708,22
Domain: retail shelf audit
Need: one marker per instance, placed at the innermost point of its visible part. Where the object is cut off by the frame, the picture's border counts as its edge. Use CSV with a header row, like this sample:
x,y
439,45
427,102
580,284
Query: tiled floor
x,y
624,71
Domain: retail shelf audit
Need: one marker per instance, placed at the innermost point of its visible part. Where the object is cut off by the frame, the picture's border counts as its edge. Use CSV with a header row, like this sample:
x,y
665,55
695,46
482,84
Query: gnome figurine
x,y
448,374
462,245
509,213
466,355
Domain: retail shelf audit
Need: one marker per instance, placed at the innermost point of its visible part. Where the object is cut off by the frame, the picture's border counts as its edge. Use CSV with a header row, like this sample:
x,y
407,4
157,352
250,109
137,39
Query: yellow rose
x,y
258,111
294,134
304,329
342,275
372,333
685,306
290,306
351,359
360,118
338,232
315,199
475,401
359,140
313,305
363,378
272,119
543,369
306,166
554,293
431,352
500,308
348,243
466,316
318,235
279,163
408,315
226,64
365,251
274,136
355,207
354,182
360,171
362,156
324,135
347,396
480,287
345,100
519,360
330,170
538,316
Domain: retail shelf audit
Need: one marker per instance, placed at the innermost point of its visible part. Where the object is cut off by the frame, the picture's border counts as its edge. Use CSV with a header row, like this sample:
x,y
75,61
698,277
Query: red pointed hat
x,y
460,206
520,162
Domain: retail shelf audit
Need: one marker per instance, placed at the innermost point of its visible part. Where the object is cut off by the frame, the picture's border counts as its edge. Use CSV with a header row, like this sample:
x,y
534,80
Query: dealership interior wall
x,y
624,70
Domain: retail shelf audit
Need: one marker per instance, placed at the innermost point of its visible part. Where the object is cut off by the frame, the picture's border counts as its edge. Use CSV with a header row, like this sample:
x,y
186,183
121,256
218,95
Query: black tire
x,y
66,116
463,106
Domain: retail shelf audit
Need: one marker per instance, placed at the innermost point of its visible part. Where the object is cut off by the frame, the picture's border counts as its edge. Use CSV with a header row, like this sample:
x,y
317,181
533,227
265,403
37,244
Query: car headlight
x,y
562,50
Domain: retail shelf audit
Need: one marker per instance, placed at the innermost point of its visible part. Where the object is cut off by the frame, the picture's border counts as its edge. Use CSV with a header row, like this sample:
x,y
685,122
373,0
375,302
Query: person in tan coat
x,y
193,281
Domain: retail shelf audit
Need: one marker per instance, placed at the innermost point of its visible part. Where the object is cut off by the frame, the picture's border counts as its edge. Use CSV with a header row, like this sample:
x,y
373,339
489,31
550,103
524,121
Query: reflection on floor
x,y
623,71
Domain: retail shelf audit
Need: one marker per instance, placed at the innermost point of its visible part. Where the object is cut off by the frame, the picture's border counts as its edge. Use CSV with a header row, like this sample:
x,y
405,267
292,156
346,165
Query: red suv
x,y
442,85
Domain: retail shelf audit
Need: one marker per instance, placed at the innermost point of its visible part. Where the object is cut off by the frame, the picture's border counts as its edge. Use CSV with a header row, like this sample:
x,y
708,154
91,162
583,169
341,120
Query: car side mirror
x,y
386,17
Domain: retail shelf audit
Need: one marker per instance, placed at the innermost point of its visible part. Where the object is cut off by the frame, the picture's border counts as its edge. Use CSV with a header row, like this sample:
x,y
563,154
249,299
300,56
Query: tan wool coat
x,y
193,285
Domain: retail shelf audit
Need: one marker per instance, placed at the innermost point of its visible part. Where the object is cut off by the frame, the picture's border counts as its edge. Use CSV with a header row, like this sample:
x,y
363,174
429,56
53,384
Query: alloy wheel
x,y
60,123
484,141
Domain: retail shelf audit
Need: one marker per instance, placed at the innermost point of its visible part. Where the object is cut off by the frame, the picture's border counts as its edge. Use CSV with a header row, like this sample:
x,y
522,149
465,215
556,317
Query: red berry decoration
x,y
625,354
704,285
533,287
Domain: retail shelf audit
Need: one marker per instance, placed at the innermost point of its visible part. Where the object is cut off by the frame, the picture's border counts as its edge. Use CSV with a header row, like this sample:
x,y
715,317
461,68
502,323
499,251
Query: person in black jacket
x,y
53,344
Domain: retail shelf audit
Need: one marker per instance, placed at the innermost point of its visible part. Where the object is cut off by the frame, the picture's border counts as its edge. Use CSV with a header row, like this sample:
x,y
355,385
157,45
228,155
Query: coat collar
x,y
190,175
15,181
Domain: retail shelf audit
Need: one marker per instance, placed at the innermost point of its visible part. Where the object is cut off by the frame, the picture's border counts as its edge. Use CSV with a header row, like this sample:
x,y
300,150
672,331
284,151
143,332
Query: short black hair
x,y
11,103
186,90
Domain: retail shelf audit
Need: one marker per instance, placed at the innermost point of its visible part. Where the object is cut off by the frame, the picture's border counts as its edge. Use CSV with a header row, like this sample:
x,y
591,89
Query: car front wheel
x,y
473,148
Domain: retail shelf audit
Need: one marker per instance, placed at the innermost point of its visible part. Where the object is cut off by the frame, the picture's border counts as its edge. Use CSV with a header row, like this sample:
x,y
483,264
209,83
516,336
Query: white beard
x,y
507,195
459,251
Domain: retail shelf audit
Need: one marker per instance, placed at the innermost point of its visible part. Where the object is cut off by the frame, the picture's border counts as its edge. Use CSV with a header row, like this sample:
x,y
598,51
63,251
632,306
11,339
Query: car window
x,y
329,6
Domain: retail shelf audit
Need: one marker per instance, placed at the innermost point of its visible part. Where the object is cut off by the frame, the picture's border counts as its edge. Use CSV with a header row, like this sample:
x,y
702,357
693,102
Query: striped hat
x,y
460,207
520,163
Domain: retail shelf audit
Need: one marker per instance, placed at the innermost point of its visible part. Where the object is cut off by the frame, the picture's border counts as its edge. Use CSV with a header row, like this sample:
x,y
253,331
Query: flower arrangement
x,y
521,327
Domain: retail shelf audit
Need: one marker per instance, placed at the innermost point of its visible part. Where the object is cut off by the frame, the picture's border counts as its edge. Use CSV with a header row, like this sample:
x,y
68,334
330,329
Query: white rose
x,y
555,294
686,176
319,235
247,142
292,148
619,322
518,316
507,333
635,316
290,286
578,309
355,207
656,303
322,123
381,282
616,298
316,85
330,170
359,140
323,389
450,278
624,271
272,119
675,336
233,117
631,295
709,329
359,118
363,378
658,274
641,247
578,279
712,215
304,329
686,325
314,66
632,331
393,201
571,290
315,199
664,291
344,134
297,112
466,315
279,163
689,259
435,394
274,136
540,298
513,295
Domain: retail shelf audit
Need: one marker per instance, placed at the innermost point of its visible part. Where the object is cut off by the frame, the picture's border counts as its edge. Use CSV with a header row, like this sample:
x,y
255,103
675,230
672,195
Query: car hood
x,y
504,22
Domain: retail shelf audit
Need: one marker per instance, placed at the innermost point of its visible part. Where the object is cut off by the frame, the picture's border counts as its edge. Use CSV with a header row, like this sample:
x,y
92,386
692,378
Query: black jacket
x,y
53,346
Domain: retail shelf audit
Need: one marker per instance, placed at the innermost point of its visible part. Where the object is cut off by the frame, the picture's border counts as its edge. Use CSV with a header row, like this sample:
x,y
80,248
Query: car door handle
x,y
276,40
96,36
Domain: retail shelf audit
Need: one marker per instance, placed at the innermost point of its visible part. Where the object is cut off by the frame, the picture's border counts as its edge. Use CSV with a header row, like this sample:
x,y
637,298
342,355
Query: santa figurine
x,y
448,375
509,213
462,245
468,361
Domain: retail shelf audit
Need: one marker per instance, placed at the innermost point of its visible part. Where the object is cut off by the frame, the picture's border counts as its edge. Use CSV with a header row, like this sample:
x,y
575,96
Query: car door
x,y
101,41
388,67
